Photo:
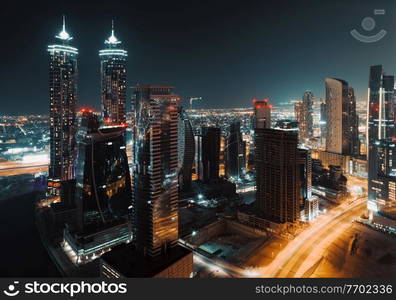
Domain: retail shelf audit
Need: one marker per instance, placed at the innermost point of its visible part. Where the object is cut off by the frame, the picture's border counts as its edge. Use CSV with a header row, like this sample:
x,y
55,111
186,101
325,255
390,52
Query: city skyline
x,y
144,181
245,42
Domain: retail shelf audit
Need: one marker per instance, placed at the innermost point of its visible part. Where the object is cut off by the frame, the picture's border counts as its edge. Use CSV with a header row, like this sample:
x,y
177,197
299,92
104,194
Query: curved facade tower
x,y
186,149
63,99
113,81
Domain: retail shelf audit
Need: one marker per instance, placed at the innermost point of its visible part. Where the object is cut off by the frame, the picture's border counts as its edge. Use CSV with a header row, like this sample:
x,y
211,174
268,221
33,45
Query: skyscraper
x,y
323,123
63,98
103,189
353,118
298,113
341,131
380,126
385,184
210,153
155,169
186,149
306,124
235,152
113,81
277,175
262,114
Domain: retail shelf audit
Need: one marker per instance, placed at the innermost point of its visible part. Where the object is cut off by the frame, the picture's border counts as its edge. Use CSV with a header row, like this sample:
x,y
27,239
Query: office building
x,y
103,191
276,158
336,96
125,262
235,151
353,121
298,113
210,153
155,169
305,120
323,123
261,114
380,127
63,74
186,149
113,81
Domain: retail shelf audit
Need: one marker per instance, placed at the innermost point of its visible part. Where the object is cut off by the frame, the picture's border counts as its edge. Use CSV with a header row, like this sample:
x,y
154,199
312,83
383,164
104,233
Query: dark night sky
x,y
227,52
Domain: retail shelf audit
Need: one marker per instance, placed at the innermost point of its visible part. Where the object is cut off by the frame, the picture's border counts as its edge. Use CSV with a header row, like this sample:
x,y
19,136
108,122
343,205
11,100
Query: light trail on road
x,y
319,228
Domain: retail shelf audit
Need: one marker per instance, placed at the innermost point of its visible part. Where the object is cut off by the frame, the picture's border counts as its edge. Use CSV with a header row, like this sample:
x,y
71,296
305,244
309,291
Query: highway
x,y
308,247
10,168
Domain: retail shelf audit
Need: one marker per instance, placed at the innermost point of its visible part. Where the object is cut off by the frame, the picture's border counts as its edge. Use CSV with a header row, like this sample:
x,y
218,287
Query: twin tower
x,y
63,82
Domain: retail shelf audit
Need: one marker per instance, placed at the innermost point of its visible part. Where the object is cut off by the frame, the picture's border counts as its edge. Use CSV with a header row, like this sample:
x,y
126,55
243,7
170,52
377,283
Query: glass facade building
x,y
235,151
103,195
380,128
186,149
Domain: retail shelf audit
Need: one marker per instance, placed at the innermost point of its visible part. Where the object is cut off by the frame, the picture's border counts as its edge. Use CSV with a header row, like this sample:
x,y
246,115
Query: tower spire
x,y
112,40
63,35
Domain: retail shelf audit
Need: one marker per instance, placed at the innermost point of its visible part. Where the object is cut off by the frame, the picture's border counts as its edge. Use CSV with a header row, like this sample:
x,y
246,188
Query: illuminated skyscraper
x,y
341,130
306,122
103,190
380,128
63,98
353,118
113,81
261,114
155,169
298,113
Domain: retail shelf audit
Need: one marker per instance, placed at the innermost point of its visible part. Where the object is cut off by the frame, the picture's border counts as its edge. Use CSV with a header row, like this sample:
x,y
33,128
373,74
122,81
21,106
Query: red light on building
x,y
254,100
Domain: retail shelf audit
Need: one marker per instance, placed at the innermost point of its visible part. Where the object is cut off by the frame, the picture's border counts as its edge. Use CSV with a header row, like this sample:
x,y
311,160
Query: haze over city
x,y
221,51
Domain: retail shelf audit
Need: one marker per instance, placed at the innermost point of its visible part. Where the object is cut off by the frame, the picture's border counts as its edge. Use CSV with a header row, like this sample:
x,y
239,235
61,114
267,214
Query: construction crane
x,y
194,99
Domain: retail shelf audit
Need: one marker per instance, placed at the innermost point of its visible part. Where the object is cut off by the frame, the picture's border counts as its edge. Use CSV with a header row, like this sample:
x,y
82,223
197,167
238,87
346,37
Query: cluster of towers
x,y
63,81
109,200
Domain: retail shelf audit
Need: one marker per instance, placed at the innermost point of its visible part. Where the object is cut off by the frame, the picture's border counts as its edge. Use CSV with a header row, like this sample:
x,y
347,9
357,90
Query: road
x,y
308,247
10,168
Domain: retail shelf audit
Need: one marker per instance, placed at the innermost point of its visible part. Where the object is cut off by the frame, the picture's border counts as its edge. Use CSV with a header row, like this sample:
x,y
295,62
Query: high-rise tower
x,y
210,153
186,149
113,81
277,175
261,114
103,190
235,152
306,123
63,98
155,169
341,130
380,128
353,118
